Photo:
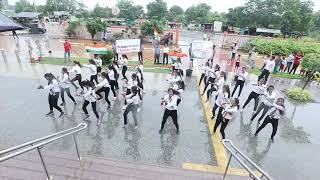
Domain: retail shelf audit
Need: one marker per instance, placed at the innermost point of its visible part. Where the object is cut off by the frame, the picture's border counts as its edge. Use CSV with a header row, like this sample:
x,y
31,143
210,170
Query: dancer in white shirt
x,y
170,102
124,62
93,70
104,86
77,69
64,83
89,97
133,101
112,74
223,98
257,90
54,90
277,111
240,79
229,112
98,61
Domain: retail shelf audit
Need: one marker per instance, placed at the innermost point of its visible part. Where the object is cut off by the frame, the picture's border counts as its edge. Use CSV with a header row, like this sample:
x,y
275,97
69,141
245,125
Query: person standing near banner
x,y
165,54
156,54
140,53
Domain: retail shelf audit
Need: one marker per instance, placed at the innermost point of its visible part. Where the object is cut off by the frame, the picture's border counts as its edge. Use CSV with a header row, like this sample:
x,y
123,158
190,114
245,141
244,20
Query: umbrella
x,y
6,24
177,54
96,49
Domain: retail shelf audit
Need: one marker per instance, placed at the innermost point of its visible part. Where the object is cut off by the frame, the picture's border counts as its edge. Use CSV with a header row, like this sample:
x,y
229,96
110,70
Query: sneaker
x,y
241,110
62,104
212,117
272,140
109,107
114,98
61,115
136,127
124,107
86,117
178,132
160,131
98,122
124,126
50,113
144,92
139,109
75,103
255,134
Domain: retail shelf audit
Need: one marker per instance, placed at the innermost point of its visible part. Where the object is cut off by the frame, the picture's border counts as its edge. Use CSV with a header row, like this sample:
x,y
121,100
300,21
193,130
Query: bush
x,y
72,28
107,58
298,94
148,27
282,46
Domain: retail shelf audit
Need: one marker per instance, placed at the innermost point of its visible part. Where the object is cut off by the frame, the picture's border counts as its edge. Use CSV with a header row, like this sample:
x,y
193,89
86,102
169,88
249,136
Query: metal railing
x,y
39,143
234,153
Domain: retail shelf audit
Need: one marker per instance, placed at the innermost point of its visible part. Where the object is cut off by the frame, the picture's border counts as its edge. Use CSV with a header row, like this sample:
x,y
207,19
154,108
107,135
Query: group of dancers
x,y
104,81
228,106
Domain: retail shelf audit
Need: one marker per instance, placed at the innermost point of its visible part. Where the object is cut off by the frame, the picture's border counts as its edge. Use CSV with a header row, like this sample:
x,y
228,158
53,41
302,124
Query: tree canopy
x,y
157,8
128,10
101,12
24,5
174,13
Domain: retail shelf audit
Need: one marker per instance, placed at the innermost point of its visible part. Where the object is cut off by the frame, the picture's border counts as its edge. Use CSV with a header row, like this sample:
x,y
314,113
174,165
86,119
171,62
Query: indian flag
x,y
96,49
156,34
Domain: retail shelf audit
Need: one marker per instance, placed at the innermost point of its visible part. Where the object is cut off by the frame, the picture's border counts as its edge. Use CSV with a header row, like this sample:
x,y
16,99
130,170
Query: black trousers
x,y
215,107
261,107
128,91
130,108
224,122
170,113
251,96
209,92
238,83
115,56
274,123
106,91
204,78
124,70
140,56
113,87
68,92
210,80
156,58
288,67
95,78
94,107
294,68
77,78
53,101
165,58
264,74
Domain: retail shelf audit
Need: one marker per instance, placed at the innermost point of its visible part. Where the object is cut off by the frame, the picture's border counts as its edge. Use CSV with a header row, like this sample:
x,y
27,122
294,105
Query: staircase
x,y
66,167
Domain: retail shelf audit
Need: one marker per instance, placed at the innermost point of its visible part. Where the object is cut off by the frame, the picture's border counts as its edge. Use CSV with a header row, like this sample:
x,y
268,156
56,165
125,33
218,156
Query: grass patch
x,y
148,65
280,75
298,94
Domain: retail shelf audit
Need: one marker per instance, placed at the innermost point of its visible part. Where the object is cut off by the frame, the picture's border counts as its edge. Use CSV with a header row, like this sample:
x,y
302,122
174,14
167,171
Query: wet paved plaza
x,y
294,154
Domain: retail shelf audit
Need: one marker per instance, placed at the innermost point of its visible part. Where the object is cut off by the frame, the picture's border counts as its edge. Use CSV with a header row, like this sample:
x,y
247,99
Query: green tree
x,y
197,13
72,28
24,5
101,12
62,5
95,26
157,8
236,17
174,12
215,16
316,20
128,10
312,64
148,27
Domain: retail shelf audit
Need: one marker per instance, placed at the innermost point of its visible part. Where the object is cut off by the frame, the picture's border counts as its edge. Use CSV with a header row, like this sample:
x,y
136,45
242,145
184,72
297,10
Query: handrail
x,y
39,143
250,171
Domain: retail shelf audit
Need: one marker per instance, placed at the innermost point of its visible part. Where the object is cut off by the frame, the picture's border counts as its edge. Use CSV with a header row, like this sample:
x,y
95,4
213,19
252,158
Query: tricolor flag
x,y
96,49
156,34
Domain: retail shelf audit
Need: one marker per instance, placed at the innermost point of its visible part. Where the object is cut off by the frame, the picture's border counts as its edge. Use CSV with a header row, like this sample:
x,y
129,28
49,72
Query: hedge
x,y
282,46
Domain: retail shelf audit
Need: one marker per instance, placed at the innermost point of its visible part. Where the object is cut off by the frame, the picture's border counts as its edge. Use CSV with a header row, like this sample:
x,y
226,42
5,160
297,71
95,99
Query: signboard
x,y
115,11
202,49
217,26
127,45
264,30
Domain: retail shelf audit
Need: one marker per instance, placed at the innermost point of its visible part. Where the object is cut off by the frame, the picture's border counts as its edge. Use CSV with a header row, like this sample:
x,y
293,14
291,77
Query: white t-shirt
x,y
111,75
166,50
229,112
76,69
132,99
64,81
223,97
104,83
92,68
89,94
171,102
53,86
269,97
242,76
269,65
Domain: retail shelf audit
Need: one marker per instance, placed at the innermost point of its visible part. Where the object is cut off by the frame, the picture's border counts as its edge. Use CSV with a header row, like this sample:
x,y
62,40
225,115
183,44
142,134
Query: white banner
x,y
127,45
217,26
202,49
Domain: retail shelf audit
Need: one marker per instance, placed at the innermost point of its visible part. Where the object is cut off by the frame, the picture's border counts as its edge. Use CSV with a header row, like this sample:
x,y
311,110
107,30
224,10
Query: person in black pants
x,y
104,86
64,83
171,103
115,54
204,74
269,67
54,89
212,77
165,54
240,80
77,69
140,53
266,104
277,111
124,66
229,111
90,97
156,55
112,74
255,93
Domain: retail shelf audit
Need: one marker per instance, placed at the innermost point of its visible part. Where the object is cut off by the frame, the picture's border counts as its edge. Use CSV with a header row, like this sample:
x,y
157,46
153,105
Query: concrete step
x,y
67,167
